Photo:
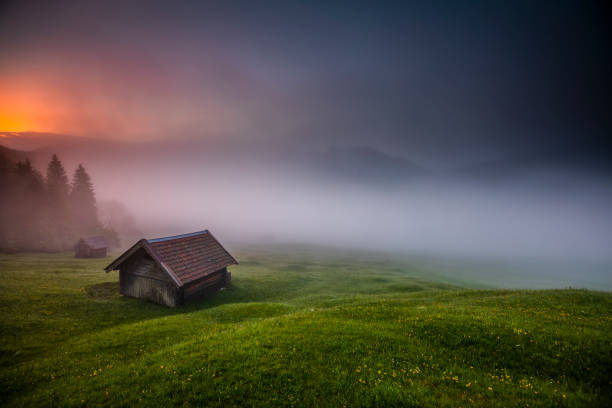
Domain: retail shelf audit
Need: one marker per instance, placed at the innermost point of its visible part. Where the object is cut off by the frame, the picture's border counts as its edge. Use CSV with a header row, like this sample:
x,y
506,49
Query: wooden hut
x,y
91,247
173,270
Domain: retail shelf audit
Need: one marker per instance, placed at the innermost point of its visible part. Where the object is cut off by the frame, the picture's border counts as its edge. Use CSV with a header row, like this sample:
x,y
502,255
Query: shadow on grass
x,y
111,308
104,301
105,290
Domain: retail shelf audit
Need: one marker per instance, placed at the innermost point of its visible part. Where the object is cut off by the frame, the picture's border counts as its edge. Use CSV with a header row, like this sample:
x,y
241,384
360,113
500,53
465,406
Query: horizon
x,y
420,80
470,128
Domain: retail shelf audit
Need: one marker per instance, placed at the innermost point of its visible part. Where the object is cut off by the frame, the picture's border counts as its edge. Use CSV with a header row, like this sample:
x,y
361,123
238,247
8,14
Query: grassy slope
x,y
298,328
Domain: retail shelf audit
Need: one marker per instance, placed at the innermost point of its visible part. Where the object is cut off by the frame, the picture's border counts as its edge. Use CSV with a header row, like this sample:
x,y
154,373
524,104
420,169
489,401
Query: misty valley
x,y
305,203
309,316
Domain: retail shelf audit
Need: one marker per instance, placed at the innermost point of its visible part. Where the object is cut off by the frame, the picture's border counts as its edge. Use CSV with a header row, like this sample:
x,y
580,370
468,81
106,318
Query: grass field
x,y
299,327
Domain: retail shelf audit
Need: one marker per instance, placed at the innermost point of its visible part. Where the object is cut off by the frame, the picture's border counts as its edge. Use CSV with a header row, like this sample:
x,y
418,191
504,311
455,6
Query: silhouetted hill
x,y
351,164
363,164
28,141
356,164
11,156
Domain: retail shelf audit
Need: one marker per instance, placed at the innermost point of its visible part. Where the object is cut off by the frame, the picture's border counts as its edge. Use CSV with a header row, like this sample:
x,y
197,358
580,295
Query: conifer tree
x,y
6,203
29,177
83,202
57,181
58,189
27,215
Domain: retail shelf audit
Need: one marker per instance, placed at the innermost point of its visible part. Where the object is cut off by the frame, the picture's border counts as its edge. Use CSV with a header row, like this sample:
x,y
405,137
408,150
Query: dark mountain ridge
x,y
353,164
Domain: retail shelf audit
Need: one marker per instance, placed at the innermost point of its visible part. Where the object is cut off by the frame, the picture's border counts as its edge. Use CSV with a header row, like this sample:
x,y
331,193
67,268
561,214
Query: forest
x,y
46,213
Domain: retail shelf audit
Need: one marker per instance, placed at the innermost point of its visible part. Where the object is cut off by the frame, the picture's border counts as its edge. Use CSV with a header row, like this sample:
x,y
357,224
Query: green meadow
x,y
300,327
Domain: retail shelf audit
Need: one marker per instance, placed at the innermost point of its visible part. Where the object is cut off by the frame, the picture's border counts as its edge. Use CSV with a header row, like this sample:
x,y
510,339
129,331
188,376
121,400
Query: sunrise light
x,y
14,124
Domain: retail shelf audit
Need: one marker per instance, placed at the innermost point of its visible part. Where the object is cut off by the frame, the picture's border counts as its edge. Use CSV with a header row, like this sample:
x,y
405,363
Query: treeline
x,y
47,213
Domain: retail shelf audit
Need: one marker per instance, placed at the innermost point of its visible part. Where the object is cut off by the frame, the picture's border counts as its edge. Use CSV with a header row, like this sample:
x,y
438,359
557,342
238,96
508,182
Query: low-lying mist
x,y
355,197
422,215
323,199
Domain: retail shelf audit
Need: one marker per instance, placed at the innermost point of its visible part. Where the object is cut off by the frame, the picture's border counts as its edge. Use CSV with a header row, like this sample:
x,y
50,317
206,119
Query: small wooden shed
x,y
91,247
174,270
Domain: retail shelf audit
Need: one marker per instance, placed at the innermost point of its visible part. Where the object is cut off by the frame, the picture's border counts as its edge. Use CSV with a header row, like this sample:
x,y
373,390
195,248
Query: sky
x,y
442,82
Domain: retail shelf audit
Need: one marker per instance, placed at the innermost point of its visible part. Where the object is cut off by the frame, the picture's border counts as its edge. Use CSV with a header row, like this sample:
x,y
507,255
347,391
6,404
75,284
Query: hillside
x,y
298,328
353,163
11,156
356,164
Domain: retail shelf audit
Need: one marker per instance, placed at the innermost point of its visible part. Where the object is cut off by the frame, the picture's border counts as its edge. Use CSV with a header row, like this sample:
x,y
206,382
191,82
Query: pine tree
x,y
57,181
27,216
29,177
63,234
6,202
83,202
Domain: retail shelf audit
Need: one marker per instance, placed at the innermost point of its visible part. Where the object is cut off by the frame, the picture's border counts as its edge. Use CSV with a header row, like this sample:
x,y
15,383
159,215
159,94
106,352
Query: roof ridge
x,y
223,248
185,257
191,234
161,263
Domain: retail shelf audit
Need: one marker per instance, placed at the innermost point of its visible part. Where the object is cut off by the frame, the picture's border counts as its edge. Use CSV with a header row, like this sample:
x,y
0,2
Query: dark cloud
x,y
443,82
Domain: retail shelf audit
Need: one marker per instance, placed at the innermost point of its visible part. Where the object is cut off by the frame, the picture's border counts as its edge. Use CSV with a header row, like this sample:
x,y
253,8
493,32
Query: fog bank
x,y
353,196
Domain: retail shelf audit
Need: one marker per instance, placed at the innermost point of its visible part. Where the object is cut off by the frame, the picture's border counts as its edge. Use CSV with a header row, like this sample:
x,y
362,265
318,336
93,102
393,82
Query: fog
x,y
422,215
435,216
353,197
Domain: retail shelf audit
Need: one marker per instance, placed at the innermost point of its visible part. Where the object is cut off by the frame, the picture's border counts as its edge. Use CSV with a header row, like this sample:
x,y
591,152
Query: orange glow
x,y
110,103
20,107
12,124
18,120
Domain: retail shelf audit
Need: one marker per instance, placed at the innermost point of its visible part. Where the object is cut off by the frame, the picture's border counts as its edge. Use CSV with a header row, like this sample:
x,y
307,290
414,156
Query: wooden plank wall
x,y
164,293
204,286
142,278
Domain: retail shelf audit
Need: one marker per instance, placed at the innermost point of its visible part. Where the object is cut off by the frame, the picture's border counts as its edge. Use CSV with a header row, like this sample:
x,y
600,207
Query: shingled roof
x,y
185,258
